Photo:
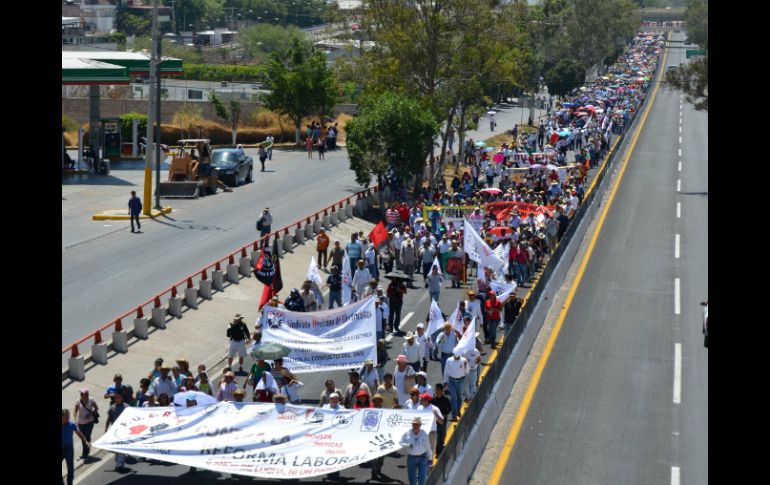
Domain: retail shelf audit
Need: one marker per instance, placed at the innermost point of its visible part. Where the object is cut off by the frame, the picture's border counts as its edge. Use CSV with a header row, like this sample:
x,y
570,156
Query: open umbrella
x,y
492,190
480,144
491,112
203,399
270,351
489,149
564,133
398,275
501,231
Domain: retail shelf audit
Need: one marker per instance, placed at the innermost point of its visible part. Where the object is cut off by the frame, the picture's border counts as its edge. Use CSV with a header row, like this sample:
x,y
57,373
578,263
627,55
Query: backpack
x,y
259,224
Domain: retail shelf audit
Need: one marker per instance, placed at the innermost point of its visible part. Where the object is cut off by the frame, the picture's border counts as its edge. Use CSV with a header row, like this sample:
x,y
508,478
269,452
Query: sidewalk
x,y
199,336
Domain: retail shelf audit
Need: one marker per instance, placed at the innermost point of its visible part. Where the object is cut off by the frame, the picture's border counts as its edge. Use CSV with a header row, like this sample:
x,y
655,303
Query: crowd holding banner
x,y
491,243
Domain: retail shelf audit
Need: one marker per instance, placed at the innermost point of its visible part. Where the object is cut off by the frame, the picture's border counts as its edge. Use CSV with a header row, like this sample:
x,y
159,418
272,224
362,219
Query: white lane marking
x,y
674,475
677,309
680,138
403,321
680,152
678,210
678,185
677,373
676,246
680,166
680,130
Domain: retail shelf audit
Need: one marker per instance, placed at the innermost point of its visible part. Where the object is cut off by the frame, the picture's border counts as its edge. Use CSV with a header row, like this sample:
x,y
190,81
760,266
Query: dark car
x,y
233,165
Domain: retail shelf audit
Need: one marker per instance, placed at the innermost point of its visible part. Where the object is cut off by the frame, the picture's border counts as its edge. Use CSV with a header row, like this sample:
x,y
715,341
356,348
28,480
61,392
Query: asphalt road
x,y
604,411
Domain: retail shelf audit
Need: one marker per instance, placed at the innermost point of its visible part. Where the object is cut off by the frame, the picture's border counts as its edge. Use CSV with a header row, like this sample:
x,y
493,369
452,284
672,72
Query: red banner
x,y
502,210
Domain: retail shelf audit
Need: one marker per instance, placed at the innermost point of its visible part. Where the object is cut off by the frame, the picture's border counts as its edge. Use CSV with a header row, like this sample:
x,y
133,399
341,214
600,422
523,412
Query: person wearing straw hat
x,y
404,377
413,350
419,452
369,374
238,333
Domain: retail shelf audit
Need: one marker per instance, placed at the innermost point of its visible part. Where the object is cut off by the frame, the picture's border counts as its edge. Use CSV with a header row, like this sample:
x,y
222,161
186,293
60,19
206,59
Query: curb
x,y
111,215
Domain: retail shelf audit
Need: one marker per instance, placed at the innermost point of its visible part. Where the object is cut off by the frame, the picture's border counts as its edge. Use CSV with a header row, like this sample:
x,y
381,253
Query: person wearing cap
x,y
294,302
334,402
444,405
419,452
334,283
446,341
322,247
362,400
329,389
86,414
454,376
403,376
370,256
438,418
68,445
264,224
413,350
369,374
361,277
227,388
238,333
352,389
422,383
427,345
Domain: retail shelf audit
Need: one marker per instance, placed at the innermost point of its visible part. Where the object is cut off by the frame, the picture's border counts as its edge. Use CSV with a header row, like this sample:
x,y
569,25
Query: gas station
x,y
100,68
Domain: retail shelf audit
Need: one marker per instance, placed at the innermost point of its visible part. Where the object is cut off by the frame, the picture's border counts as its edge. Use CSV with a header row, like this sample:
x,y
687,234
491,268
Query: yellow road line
x,y
510,442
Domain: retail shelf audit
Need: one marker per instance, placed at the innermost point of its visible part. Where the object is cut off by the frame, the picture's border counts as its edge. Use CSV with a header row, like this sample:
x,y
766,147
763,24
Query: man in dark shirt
x,y
112,415
134,209
396,292
563,221
334,282
445,406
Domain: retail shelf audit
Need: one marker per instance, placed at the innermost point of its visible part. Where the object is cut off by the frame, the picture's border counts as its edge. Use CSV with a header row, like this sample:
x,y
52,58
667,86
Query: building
x,y
99,15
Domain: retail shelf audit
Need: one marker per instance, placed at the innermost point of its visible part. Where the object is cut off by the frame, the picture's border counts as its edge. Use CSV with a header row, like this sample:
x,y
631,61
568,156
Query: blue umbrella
x,y
564,133
480,144
568,105
489,149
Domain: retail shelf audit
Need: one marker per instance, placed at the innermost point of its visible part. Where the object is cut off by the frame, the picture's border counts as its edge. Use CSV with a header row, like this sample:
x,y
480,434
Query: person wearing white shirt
x,y
427,345
438,418
473,306
369,375
418,452
334,403
398,239
361,278
414,399
413,350
455,371
472,380
403,378
422,384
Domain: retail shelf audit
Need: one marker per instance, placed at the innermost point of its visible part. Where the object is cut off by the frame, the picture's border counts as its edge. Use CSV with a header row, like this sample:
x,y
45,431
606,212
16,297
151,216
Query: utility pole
x,y
158,123
151,116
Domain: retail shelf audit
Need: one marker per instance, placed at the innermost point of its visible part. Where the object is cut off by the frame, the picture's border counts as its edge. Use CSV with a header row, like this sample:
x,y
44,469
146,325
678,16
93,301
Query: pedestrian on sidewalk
x,y
322,246
238,333
67,444
86,414
134,209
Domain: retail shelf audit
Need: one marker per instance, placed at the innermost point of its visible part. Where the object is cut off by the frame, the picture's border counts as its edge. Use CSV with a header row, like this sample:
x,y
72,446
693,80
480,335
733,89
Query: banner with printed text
x,y
341,338
261,439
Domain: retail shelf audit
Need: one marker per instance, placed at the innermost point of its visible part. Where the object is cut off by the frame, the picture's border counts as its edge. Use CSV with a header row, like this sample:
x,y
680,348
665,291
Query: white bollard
x,y
317,226
159,317
205,289
218,278
309,231
191,297
77,368
120,341
299,235
335,218
327,222
141,328
99,353
175,306
349,210
254,257
281,251
232,273
341,215
287,242
245,266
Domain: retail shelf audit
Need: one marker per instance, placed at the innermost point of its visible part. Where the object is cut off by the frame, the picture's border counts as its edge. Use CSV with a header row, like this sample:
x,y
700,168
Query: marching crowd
x,y
521,220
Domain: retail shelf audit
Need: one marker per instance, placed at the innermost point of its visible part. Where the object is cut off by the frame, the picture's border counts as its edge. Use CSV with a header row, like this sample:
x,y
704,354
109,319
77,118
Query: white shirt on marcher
x,y
455,368
417,444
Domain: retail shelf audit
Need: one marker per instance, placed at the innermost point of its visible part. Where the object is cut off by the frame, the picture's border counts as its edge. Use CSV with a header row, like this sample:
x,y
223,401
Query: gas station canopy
x,y
88,71
111,67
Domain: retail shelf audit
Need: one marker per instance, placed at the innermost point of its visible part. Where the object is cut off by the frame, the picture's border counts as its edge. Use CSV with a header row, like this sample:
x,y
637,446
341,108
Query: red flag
x,y
379,234
267,293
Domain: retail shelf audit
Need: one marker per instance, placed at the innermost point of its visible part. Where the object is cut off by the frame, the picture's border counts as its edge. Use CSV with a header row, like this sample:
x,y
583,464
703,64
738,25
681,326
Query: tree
x,y
693,78
392,132
565,76
131,24
232,114
263,39
300,84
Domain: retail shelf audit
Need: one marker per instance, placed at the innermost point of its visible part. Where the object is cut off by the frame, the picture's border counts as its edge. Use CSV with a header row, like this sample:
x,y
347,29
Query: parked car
x,y
233,166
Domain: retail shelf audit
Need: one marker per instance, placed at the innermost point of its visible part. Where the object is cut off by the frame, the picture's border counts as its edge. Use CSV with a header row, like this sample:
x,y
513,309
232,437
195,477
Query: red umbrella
x,y
492,190
501,231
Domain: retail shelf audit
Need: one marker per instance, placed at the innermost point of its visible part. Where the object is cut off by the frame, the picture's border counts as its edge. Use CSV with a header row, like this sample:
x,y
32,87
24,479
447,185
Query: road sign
x,y
695,52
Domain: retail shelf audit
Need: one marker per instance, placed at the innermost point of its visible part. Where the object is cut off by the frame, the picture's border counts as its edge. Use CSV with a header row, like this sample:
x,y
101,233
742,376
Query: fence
x,y
466,434
198,284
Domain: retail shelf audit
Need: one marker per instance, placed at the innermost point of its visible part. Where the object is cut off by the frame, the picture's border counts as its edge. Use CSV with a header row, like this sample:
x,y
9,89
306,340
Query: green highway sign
x,y
695,52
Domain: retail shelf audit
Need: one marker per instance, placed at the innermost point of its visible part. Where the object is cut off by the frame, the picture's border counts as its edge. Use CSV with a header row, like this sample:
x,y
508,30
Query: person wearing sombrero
x,y
418,452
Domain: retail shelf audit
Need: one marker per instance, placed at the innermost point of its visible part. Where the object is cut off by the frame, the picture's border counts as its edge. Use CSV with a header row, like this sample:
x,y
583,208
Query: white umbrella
x,y
203,399
491,112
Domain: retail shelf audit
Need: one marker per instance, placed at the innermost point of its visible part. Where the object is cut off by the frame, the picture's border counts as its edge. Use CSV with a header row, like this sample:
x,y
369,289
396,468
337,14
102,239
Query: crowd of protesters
x,y
419,232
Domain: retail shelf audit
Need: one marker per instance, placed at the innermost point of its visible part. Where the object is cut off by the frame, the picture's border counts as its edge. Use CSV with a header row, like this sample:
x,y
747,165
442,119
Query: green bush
x,y
227,72
68,123
125,124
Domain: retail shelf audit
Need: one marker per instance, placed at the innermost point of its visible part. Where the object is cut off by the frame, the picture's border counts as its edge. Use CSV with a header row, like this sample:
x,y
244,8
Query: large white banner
x,y
259,439
478,250
341,338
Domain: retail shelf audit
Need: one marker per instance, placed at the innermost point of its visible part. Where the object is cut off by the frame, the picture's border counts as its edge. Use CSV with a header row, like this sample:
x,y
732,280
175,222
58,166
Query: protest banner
x,y
341,338
478,250
260,439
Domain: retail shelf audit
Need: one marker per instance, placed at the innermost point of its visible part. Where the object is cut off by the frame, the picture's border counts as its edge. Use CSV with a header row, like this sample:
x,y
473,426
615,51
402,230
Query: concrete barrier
x,y
309,231
218,279
77,368
299,235
191,297
254,257
120,341
232,273
99,353
175,306
205,289
349,210
317,226
141,328
281,251
359,208
341,215
159,317
327,222
334,218
245,267
288,240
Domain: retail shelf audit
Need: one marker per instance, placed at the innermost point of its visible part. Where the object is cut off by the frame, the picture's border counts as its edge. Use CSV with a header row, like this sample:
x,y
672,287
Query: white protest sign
x,y
341,338
259,439
478,250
